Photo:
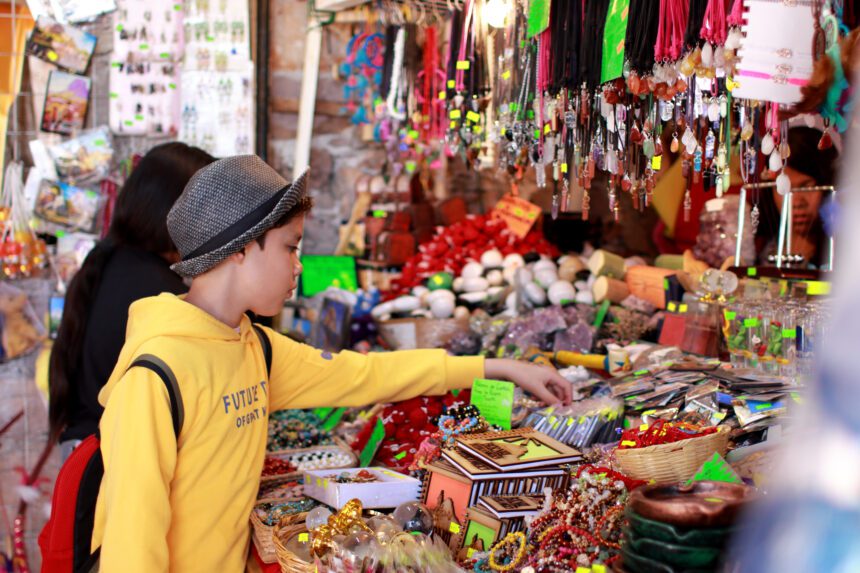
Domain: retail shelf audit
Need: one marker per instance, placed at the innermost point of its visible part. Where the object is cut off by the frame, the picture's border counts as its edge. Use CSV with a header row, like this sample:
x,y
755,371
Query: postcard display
x,y
184,71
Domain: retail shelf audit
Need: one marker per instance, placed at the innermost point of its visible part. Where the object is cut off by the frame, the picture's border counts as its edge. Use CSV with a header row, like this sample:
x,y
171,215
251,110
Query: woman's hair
x,y
806,158
140,221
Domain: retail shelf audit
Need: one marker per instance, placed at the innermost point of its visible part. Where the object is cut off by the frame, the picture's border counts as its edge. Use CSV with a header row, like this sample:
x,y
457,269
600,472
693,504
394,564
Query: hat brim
x,y
191,268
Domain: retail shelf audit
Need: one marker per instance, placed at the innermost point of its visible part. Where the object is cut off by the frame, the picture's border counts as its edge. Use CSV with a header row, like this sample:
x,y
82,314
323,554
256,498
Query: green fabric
x,y
613,40
538,20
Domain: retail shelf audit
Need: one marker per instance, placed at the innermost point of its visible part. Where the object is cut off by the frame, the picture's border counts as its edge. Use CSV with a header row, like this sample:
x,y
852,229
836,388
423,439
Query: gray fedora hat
x,y
225,206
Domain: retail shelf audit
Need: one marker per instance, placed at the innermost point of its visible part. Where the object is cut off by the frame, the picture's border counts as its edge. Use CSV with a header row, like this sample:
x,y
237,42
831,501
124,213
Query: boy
x,y
169,504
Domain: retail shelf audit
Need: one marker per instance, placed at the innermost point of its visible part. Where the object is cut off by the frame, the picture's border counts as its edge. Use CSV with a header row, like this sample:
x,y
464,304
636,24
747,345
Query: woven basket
x,y
289,526
412,333
263,539
670,463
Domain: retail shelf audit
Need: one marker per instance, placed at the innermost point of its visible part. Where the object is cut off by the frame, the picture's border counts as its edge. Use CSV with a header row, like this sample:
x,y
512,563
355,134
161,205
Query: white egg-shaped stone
x,y
461,313
406,304
495,277
544,265
783,183
475,284
472,270
585,297
546,277
515,260
535,294
457,284
492,259
561,292
474,297
442,308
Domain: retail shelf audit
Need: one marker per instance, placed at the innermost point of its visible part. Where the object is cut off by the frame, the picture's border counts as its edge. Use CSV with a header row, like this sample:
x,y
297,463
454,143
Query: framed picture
x,y
332,328
66,102
55,314
65,46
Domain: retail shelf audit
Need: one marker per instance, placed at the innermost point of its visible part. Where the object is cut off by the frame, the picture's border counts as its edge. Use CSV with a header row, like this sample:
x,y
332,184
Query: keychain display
x,y
144,78
84,158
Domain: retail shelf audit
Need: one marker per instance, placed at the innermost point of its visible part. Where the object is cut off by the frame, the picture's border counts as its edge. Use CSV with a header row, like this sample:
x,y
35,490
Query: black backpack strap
x,y
267,347
90,564
157,365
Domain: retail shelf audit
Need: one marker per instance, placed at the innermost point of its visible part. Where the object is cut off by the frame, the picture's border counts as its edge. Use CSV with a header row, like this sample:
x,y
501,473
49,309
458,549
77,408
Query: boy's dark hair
x,y
304,205
140,221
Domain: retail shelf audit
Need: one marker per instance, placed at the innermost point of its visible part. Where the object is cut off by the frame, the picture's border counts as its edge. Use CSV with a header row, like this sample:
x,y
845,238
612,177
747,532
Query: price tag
x,y
304,537
469,553
473,116
463,64
682,309
400,456
455,114
730,315
519,214
372,444
643,427
750,322
628,443
443,94
454,527
564,167
656,162
547,128
495,400
506,75
752,271
789,333
451,84
673,306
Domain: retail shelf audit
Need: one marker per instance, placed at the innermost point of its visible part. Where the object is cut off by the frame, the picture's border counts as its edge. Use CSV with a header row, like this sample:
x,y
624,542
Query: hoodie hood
x,y
168,315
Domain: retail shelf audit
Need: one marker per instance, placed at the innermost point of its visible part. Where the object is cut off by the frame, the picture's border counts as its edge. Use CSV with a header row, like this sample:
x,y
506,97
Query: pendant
x,y
754,216
688,206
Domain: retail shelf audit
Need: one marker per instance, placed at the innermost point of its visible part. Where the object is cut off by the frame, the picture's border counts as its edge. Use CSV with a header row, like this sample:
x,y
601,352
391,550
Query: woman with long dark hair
x,y
131,262
807,166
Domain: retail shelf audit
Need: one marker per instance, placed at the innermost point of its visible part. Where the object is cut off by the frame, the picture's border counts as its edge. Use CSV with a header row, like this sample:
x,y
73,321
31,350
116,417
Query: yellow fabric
x,y
11,61
668,196
164,507
43,361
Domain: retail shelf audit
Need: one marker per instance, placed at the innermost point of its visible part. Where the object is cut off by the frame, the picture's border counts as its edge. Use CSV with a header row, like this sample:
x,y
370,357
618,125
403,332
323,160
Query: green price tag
x,y
750,322
752,271
372,444
120,27
537,134
380,214
99,142
641,372
139,117
114,95
538,19
322,413
789,333
144,47
334,419
665,284
164,55
171,86
400,456
495,400
177,7
413,134
731,315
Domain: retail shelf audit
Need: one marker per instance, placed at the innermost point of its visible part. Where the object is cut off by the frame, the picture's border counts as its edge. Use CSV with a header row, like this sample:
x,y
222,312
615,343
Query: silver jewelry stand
x,y
784,239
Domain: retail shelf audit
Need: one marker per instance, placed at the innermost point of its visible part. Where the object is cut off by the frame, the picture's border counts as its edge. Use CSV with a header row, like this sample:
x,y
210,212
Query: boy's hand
x,y
542,382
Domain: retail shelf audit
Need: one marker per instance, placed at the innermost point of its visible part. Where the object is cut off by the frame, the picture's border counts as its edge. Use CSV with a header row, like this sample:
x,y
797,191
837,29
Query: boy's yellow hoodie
x,y
168,506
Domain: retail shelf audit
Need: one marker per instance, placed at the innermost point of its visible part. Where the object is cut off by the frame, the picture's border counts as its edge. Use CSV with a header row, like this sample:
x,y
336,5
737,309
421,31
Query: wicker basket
x,y
289,526
670,463
412,333
263,537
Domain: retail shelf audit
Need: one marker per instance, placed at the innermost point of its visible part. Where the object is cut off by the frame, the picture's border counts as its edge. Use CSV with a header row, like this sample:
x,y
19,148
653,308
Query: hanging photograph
x,y
65,46
66,101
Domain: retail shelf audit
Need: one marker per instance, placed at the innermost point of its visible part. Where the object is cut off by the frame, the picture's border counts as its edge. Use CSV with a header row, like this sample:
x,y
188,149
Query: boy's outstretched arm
x,y
305,377
139,450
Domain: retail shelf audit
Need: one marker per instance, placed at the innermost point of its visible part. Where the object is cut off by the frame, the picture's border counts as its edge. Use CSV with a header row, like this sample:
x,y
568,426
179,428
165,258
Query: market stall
x,y
639,195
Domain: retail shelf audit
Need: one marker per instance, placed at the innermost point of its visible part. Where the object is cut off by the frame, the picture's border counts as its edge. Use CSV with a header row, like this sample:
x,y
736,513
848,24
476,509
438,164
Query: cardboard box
x,y
390,490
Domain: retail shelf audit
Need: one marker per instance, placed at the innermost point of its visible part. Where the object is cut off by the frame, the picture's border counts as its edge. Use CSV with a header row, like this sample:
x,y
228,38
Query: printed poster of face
x,y
65,46
66,101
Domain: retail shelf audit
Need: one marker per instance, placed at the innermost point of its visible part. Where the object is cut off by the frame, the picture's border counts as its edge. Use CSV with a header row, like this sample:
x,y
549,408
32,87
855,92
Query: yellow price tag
x,y
304,537
682,309
469,553
52,55
454,528
564,167
455,114
643,427
673,307
443,94
583,570
598,568
463,64
657,162
506,75
546,128
451,84
628,443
